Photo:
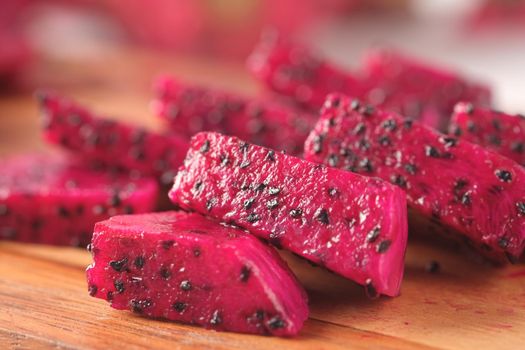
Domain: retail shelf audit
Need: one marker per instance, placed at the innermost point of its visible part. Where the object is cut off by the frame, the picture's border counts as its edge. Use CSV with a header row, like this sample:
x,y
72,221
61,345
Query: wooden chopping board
x,y
43,294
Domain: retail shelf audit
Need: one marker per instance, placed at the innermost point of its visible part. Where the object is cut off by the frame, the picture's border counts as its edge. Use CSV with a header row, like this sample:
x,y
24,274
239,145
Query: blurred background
x,y
106,52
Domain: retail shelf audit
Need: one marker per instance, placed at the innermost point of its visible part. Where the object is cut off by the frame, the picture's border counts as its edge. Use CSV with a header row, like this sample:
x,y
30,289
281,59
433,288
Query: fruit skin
x,y
411,84
353,225
388,79
185,267
190,109
51,199
486,208
110,143
497,131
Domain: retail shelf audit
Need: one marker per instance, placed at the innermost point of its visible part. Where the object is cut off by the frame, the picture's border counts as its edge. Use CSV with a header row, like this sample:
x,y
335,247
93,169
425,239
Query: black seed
x,y
364,144
432,267
90,247
390,125
271,156
496,124
196,252
8,232
503,242
259,315
521,208
244,164
332,160
272,191
167,244
216,318
252,218
138,154
139,262
517,147
448,141
460,184
119,286
322,216
332,192
118,265
272,204
245,273
185,285
243,146
471,127
408,123
92,290
371,291
465,199
504,175
224,159
512,259
165,273
431,152
384,140
410,168
359,129
63,212
128,209
138,306
354,105
366,165
295,213
398,180
3,210
210,203
260,187
115,200
248,203
318,144
179,306
109,296
276,323
138,137
37,224
197,186
469,108
367,110
494,140
372,236
383,246
205,147
457,131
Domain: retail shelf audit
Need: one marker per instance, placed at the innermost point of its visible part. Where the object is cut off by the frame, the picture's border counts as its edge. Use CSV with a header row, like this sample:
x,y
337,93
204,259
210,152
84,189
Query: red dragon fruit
x,y
419,89
190,109
187,268
497,131
459,185
389,80
296,72
52,200
353,225
109,142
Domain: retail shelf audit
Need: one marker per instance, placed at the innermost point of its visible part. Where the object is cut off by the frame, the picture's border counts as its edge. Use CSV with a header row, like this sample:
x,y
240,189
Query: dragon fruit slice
x,y
497,131
187,268
457,184
294,71
109,142
51,200
190,109
353,225
414,82
389,80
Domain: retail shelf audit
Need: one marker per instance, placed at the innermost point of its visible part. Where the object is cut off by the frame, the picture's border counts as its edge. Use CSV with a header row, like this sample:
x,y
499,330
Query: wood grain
x,y
44,302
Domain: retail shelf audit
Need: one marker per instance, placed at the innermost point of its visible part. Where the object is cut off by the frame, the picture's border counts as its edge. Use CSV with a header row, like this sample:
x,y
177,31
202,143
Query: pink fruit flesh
x,y
51,200
187,268
390,80
412,85
499,132
353,225
457,184
109,142
190,109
